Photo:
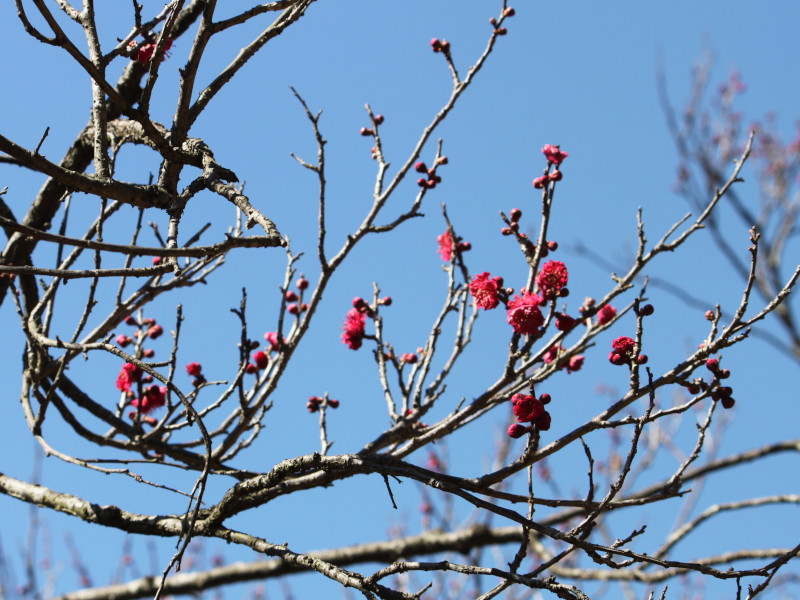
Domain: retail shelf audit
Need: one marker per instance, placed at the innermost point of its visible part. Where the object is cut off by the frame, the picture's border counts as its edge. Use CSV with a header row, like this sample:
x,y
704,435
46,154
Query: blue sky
x,y
582,75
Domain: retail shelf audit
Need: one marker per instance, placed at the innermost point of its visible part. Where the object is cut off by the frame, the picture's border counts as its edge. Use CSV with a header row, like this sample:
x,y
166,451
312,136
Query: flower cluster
x,y
552,279
446,244
622,353
486,290
722,393
529,409
555,156
128,375
524,315
144,52
354,324
153,397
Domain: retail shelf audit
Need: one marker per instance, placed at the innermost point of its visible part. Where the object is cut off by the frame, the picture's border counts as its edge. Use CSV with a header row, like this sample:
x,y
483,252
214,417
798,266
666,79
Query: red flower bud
x,y
378,119
302,283
420,167
647,310
290,296
501,31
540,182
260,359
515,215
517,430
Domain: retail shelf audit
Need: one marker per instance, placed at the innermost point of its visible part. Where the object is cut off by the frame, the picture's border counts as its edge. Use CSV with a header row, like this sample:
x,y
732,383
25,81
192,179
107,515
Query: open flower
x,y
128,375
524,314
153,397
526,408
552,278
554,154
445,245
353,327
484,290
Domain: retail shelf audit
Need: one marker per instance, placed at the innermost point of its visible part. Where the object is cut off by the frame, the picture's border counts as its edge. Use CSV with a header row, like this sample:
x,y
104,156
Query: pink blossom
x,y
272,338
145,53
575,363
194,369
128,375
554,154
153,397
606,314
409,358
552,353
485,290
552,278
353,327
445,245
122,340
524,314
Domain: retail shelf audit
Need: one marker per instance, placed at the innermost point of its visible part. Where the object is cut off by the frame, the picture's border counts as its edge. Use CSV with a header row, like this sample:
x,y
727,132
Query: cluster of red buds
x,y
148,328
529,409
508,12
367,132
408,358
719,392
442,46
315,402
431,178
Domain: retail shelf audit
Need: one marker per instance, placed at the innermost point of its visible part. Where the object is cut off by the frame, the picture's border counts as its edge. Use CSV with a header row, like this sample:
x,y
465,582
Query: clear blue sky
x,y
579,74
